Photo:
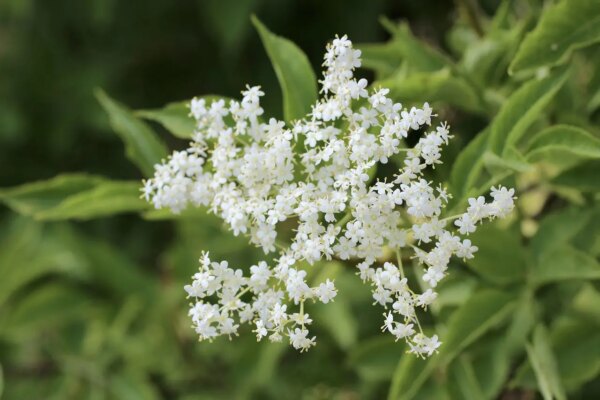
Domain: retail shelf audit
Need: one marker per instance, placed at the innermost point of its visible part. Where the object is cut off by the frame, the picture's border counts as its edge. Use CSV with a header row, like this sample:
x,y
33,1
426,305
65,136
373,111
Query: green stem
x,y
399,258
345,219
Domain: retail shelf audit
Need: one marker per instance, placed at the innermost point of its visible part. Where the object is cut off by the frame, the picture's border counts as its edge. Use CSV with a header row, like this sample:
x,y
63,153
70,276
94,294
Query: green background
x,y
91,300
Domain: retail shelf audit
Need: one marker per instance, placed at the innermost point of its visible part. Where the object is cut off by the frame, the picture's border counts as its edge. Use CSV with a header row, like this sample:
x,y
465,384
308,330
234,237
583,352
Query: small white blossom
x,y
326,292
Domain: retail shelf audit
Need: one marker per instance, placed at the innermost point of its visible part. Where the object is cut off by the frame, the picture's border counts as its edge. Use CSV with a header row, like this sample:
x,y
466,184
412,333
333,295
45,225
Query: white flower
x,y
466,249
465,224
503,201
299,339
260,275
255,173
402,331
260,330
426,298
326,291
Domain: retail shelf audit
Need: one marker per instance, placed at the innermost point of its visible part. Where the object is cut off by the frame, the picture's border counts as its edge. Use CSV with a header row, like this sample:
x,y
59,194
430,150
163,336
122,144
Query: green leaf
x,y
558,229
107,198
76,196
562,28
561,141
493,357
374,359
521,109
501,256
409,376
576,346
512,161
487,58
264,368
419,54
131,386
544,364
294,72
109,268
30,198
468,166
583,177
43,307
28,252
142,145
337,316
384,58
174,117
1,381
484,311
585,303
455,289
230,31
564,263
491,364
463,382
438,86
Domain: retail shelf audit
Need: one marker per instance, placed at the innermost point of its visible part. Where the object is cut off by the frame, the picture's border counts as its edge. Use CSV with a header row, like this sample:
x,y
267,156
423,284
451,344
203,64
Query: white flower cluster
x,y
267,290
317,175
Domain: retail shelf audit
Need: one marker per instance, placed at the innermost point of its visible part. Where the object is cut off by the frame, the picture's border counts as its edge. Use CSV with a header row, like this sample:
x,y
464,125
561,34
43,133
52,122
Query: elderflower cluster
x,y
317,174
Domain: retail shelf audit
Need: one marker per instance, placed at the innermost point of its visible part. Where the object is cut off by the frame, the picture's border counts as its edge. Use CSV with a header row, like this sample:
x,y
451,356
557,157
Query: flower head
x,y
255,174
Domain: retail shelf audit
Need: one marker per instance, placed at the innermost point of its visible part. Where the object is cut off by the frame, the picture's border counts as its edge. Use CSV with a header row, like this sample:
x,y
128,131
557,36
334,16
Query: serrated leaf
x,y
562,28
32,198
294,72
563,141
521,109
564,263
544,364
107,198
77,196
142,145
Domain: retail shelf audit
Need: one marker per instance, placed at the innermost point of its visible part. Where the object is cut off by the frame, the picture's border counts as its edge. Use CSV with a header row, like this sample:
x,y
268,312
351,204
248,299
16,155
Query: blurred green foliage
x,y
91,302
